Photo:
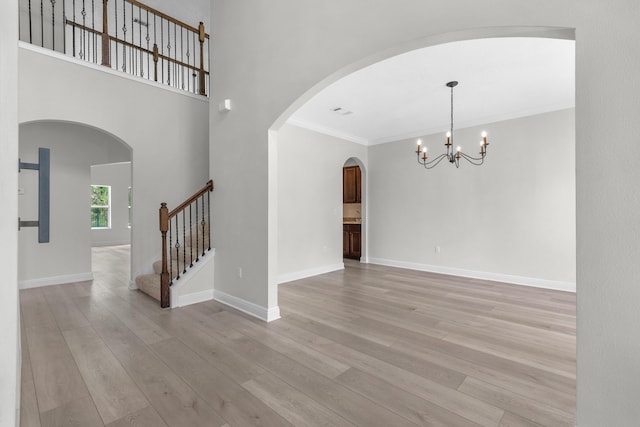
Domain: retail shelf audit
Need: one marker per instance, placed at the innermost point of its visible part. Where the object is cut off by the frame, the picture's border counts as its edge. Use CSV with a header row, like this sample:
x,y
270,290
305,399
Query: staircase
x,y
189,241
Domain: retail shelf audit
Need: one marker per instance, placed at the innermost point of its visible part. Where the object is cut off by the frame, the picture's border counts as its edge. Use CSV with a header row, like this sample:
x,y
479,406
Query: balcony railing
x,y
124,35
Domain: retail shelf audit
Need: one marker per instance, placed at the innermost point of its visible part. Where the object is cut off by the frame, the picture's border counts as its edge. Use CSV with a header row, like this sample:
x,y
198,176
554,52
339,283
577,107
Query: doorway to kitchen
x,y
352,210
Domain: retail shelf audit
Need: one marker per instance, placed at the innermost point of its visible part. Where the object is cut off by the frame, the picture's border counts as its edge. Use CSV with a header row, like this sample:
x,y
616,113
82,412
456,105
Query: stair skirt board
x,y
55,280
200,277
188,299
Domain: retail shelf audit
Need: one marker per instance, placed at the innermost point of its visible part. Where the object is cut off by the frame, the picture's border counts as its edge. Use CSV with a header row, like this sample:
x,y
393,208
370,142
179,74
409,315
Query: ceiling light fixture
x,y
450,155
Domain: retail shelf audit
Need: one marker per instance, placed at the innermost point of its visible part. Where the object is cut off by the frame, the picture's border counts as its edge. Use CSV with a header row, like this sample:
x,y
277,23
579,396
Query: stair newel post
x,y
201,38
106,57
164,276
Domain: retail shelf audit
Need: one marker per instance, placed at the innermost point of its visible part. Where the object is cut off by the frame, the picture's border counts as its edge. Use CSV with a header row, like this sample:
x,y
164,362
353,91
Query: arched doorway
x,y
353,209
74,149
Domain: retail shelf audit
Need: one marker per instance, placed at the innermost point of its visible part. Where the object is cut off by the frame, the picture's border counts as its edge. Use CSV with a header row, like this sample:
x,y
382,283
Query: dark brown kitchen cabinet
x,y
351,241
352,185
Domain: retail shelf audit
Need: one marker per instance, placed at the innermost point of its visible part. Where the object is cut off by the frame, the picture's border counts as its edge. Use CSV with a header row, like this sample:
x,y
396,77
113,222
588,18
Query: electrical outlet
x,y
437,249
240,272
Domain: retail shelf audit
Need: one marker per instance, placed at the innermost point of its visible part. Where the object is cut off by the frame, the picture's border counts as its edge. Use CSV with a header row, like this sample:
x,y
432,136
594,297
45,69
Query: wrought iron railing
x,y
125,35
188,227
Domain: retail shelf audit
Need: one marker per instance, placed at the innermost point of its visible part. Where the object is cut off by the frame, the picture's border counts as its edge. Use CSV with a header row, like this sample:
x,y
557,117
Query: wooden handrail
x,y
165,218
208,187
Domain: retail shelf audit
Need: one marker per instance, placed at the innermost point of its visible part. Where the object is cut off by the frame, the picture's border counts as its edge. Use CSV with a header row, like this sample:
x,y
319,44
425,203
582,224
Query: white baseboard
x,y
188,299
250,308
113,243
483,275
55,280
297,275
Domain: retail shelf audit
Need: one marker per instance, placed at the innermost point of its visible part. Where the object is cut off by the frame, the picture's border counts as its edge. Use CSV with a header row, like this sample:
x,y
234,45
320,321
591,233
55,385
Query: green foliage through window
x,y
100,204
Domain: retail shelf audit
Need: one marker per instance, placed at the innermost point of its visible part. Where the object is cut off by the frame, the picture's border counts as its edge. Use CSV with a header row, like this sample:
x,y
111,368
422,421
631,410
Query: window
x,y
100,206
129,207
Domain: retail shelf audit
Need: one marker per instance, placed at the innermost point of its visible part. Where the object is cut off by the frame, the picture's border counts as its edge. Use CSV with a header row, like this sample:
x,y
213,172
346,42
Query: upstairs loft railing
x,y
188,227
124,35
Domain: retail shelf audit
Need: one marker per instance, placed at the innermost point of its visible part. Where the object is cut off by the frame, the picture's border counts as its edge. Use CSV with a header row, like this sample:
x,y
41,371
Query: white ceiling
x,y
405,96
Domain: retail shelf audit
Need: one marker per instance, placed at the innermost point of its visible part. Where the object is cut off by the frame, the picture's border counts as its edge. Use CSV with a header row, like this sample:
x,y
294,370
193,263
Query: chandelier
x,y
451,155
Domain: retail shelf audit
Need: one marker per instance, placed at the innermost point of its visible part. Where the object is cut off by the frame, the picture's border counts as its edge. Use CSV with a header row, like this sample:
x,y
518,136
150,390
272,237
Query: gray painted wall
x,y
310,224
514,215
10,359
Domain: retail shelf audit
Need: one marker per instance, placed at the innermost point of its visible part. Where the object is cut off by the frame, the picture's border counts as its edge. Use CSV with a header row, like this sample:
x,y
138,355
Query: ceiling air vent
x,y
341,111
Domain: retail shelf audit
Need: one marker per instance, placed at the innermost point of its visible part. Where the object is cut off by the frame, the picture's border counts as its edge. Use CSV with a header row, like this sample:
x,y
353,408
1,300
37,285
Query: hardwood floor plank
x,y
56,376
78,413
525,408
302,354
171,397
512,420
236,405
114,393
413,408
295,407
29,413
146,417
34,308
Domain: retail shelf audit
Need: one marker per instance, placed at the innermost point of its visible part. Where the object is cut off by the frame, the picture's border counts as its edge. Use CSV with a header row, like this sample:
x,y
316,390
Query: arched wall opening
x,y
357,213
277,195
75,149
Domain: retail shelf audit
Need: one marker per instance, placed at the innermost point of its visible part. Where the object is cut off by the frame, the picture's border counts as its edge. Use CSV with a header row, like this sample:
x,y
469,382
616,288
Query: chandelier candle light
x,y
450,155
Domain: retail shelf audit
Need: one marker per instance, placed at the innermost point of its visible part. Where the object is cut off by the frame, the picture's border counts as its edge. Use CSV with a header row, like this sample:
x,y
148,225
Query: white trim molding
x,y
255,310
483,275
55,280
297,275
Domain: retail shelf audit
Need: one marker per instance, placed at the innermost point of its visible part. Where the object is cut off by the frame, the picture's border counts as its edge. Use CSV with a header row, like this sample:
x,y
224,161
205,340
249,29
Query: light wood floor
x,y
367,346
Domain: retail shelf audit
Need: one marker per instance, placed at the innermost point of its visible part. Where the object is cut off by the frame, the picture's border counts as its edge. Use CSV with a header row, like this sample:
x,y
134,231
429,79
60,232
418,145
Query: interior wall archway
x,y
275,152
74,148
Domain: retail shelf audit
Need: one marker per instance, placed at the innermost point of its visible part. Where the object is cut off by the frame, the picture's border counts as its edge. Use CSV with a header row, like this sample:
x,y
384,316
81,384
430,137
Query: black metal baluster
x,y
41,23
132,53
175,54
209,218
194,74
64,26
169,52
83,51
124,36
115,5
188,69
140,39
184,241
191,234
73,37
177,248
197,233
148,39
53,24
162,47
30,24
93,27
203,223
182,56
170,253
